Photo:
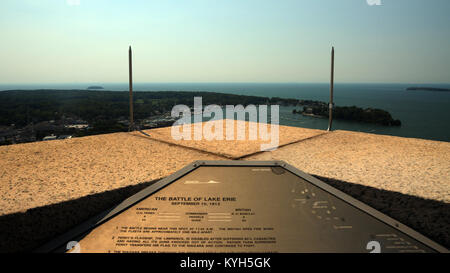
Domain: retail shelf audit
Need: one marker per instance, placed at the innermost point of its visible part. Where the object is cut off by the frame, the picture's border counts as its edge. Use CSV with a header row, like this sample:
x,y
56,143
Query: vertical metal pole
x,y
330,119
131,126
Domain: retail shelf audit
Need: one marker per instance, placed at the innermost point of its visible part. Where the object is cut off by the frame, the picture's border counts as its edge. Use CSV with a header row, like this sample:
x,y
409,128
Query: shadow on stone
x,y
24,232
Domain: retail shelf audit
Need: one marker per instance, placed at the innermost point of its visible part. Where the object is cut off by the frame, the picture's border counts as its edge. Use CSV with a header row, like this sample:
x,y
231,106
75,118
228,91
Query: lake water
x,y
424,114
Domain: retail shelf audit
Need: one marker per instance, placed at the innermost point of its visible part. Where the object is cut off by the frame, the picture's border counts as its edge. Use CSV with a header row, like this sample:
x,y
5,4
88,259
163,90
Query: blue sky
x,y
56,41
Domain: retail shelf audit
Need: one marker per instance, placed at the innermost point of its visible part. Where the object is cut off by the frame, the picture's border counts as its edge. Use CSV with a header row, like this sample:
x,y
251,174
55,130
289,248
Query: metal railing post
x,y
330,105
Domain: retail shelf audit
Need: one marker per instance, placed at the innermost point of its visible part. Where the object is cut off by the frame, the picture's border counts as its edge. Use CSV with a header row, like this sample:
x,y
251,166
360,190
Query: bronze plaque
x,y
245,209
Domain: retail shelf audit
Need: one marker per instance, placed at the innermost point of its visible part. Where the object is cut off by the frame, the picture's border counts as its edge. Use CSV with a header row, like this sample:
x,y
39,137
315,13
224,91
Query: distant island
x,y
95,87
33,115
428,89
352,113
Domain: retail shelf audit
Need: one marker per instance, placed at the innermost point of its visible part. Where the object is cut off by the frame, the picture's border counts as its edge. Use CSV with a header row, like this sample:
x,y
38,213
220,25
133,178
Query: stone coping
x,y
42,173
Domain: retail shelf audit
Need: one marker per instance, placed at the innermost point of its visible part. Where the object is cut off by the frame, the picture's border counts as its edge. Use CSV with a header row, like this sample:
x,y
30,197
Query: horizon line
x,y
218,82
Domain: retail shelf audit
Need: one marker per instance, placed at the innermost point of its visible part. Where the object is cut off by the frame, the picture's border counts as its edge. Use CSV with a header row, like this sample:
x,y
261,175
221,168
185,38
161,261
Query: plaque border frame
x,y
78,232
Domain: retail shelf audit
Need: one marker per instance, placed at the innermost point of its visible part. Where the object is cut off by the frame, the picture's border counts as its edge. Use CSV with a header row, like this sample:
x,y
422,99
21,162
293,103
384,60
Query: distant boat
x,y
95,87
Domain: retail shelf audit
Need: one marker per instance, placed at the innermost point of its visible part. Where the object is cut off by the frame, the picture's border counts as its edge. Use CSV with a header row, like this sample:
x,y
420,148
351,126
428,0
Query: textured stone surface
x,y
42,173
234,149
48,187
406,165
